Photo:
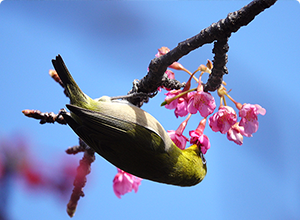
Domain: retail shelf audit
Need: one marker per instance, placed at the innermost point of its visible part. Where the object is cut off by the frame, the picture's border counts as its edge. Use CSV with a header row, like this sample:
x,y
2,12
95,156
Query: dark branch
x,y
171,83
139,99
82,147
219,65
217,31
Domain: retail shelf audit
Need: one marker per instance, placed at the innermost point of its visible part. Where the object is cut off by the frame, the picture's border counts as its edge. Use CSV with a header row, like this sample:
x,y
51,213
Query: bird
x,y
129,137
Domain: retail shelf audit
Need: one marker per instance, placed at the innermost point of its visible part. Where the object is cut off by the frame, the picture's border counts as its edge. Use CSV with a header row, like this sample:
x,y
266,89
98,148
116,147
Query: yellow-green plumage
x,y
129,137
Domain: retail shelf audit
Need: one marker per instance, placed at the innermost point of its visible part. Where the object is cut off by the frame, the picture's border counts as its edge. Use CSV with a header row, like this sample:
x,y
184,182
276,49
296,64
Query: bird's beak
x,y
203,158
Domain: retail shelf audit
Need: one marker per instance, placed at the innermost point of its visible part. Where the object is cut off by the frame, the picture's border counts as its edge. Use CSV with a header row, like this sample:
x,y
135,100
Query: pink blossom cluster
x,y
18,163
191,101
225,121
196,136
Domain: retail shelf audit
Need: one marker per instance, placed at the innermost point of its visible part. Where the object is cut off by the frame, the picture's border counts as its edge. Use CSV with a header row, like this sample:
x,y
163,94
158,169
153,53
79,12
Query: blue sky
x,y
108,44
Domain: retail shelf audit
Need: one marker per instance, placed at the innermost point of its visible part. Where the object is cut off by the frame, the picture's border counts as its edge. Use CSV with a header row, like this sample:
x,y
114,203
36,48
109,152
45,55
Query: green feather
x,y
129,137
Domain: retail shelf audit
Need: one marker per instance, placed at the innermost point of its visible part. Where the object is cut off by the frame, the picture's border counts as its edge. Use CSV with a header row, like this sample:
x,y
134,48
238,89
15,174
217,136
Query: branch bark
x,y
220,31
219,65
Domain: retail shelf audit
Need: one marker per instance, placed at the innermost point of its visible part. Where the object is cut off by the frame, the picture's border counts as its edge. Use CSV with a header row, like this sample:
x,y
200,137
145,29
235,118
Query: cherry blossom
x,y
125,182
197,137
179,103
203,102
223,119
169,96
249,120
177,136
234,134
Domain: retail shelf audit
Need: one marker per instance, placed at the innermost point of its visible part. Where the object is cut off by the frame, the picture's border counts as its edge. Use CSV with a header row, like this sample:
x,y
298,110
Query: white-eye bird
x,y
128,137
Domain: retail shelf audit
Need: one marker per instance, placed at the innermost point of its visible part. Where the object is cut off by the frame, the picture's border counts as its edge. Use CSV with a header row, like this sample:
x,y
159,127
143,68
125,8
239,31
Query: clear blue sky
x,y
108,44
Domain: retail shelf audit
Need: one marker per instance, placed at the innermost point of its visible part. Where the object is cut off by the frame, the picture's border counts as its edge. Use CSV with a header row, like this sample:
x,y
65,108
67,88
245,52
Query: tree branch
x,y
219,65
83,170
45,117
217,31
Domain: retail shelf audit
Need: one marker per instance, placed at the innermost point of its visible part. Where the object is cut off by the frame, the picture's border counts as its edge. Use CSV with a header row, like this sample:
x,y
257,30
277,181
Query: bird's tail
x,y
77,97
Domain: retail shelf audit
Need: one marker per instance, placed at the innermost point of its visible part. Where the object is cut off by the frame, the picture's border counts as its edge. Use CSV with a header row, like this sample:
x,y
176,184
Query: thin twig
x,y
83,170
45,117
56,78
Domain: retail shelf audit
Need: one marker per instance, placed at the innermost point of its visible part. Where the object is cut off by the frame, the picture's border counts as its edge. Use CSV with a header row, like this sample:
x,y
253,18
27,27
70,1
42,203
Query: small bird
x,y
128,137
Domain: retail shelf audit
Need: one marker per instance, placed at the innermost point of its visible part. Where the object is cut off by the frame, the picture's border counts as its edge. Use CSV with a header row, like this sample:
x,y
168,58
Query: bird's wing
x,y
129,146
101,127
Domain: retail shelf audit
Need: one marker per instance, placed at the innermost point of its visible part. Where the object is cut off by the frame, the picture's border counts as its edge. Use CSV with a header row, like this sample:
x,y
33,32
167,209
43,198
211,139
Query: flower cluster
x,y
225,120
187,102
17,162
191,101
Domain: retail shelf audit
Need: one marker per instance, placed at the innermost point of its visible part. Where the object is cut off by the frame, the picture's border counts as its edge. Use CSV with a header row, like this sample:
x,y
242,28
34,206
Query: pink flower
x,y
33,177
180,104
235,134
248,114
201,140
181,108
125,182
177,137
170,95
178,99
223,119
197,137
162,51
203,102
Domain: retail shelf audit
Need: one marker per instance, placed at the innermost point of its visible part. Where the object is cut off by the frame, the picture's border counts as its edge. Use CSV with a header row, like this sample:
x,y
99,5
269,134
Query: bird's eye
x,y
203,158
